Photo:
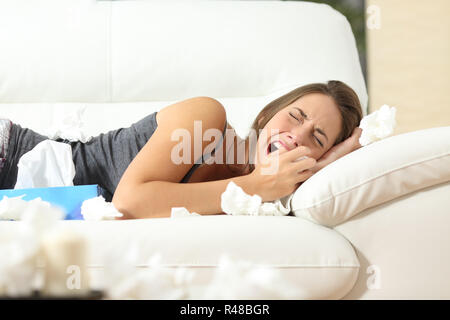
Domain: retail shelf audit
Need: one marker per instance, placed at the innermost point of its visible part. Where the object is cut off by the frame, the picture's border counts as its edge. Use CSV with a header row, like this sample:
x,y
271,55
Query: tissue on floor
x,y
64,253
243,280
235,201
18,251
48,164
377,125
124,280
40,241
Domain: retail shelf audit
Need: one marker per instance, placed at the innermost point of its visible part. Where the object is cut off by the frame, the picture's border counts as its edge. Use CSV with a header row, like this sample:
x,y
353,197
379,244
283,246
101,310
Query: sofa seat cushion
x,y
320,261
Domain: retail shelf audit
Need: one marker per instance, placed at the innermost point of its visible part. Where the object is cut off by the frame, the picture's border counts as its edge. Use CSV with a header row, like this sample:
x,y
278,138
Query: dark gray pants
x,y
102,160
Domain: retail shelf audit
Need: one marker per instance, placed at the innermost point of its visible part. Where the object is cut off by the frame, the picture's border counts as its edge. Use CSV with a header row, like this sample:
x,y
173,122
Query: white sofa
x,y
126,59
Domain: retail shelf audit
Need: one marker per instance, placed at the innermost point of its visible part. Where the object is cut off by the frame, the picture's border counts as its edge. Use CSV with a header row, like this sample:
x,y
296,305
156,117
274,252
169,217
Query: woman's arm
x,y
155,199
150,185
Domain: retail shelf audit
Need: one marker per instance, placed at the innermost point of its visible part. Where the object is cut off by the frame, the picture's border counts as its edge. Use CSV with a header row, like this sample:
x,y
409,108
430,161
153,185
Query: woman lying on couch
x,y
145,170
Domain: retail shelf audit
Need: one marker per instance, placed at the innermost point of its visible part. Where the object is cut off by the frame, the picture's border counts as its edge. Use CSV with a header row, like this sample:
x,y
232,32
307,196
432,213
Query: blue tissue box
x,y
69,199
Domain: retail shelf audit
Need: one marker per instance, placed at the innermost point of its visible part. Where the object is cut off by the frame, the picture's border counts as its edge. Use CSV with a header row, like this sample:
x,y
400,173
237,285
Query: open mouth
x,y
274,146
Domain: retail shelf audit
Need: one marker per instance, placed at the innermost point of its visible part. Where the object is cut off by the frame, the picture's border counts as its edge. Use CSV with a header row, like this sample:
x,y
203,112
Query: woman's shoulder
x,y
208,110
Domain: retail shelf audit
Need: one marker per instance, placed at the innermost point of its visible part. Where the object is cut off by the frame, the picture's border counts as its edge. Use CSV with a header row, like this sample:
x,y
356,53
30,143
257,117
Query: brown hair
x,y
344,96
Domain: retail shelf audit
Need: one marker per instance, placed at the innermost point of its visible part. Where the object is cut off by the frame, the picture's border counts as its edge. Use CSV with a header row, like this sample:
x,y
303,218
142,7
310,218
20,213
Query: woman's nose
x,y
293,139
300,134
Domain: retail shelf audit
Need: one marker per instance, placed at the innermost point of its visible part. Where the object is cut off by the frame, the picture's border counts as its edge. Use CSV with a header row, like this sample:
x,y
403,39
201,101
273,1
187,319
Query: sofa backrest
x,y
126,59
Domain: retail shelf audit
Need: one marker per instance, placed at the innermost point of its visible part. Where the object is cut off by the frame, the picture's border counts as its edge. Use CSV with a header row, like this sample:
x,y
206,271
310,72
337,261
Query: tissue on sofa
x,y
377,125
96,209
47,172
68,125
48,164
235,201
182,212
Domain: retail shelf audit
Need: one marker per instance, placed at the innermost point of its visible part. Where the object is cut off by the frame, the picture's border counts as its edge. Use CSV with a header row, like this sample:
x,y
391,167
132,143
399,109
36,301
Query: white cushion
x,y
318,260
121,51
374,174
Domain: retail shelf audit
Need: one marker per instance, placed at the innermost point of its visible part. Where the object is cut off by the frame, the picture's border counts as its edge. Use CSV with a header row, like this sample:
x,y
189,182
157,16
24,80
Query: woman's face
x,y
313,120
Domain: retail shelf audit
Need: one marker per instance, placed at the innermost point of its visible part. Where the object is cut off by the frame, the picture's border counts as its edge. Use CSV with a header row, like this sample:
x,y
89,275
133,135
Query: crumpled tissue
x,y
124,279
234,201
182,212
48,164
20,248
94,209
69,126
13,208
97,209
377,125
239,279
40,239
37,212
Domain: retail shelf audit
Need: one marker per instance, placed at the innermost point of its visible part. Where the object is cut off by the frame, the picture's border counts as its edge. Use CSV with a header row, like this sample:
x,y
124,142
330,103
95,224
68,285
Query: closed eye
x,y
321,144
294,117
317,139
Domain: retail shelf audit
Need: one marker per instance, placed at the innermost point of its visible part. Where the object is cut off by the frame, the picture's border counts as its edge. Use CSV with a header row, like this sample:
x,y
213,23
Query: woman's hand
x,y
282,173
340,150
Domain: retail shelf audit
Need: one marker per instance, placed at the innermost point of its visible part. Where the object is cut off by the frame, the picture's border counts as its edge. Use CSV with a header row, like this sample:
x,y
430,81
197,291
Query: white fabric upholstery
x,y
403,247
241,53
374,174
317,259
